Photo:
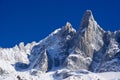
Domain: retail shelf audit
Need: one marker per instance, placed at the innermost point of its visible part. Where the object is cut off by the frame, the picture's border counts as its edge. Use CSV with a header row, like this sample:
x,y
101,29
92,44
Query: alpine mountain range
x,y
63,54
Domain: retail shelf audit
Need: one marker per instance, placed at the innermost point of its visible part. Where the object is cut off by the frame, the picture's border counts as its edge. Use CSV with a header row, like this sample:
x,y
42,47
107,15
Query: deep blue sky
x,y
32,20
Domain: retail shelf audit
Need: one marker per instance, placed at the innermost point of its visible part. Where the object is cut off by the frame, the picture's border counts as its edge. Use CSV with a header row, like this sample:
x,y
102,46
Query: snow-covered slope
x,y
66,54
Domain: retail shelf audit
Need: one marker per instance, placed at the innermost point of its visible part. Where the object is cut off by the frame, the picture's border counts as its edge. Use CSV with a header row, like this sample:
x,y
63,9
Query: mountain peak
x,y
89,36
88,12
68,26
87,20
88,15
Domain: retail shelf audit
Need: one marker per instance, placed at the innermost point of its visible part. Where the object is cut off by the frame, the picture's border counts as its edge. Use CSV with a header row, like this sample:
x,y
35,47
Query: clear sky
x,y
33,20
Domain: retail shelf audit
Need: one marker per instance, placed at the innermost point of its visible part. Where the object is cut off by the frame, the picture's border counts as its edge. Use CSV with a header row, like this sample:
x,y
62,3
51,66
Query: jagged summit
x,y
88,15
68,24
88,11
68,27
87,19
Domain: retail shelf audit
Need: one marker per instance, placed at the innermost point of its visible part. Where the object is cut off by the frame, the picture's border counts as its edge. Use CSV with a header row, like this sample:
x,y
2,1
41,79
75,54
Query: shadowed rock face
x,y
41,63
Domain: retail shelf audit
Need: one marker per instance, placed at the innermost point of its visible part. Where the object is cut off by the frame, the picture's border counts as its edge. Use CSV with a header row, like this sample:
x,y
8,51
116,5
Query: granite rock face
x,y
87,41
89,35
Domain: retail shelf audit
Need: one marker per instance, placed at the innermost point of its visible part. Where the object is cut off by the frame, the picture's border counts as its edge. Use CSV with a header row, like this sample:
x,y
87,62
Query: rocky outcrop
x,y
56,46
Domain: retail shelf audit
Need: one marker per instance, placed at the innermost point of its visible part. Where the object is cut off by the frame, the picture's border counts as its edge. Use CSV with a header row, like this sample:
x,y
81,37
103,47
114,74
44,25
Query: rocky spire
x,y
86,42
88,15
87,18
89,35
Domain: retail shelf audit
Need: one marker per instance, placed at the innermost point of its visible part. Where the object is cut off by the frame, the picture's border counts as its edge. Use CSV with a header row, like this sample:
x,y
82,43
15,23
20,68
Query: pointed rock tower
x,y
89,35
87,41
